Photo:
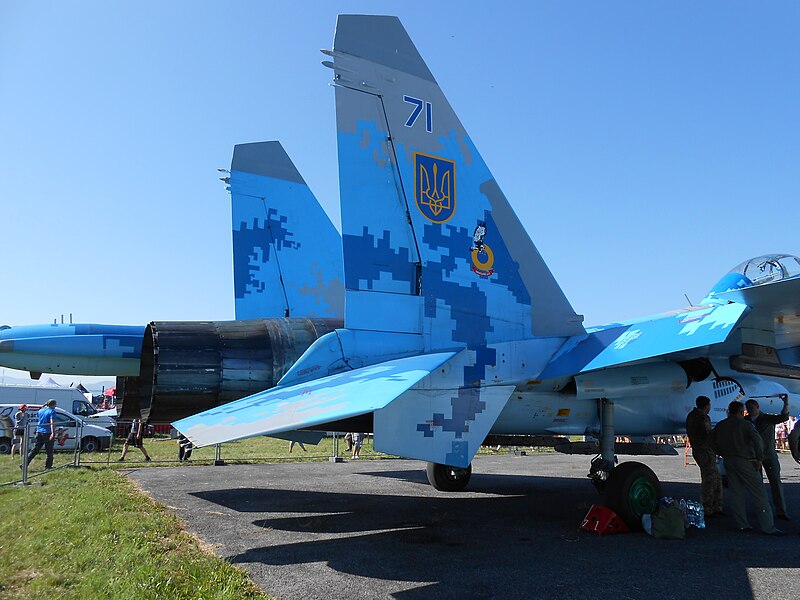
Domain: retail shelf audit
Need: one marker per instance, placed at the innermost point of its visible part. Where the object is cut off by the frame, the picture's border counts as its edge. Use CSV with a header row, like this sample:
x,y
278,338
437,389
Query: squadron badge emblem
x,y
482,255
435,187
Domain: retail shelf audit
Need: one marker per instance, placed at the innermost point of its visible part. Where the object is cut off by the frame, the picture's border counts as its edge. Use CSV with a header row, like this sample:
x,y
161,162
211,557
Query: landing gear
x,y
448,479
631,489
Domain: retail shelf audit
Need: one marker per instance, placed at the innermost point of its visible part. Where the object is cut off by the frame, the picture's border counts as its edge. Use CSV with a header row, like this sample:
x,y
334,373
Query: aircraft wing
x,y
660,336
774,306
305,405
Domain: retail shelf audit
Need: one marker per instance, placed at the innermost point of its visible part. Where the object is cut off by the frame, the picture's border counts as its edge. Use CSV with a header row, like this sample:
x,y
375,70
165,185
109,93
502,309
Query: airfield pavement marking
x,y
376,529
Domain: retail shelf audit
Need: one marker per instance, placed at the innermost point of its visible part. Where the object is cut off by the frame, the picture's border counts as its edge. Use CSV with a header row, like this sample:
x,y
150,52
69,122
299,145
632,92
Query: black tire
x,y
632,490
448,479
90,444
5,445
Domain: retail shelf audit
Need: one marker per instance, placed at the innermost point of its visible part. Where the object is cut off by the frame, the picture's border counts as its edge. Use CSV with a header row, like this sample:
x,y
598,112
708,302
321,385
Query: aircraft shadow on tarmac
x,y
521,541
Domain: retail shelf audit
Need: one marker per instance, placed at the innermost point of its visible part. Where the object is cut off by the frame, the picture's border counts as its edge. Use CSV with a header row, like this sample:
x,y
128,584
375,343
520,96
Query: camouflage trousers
x,y
711,482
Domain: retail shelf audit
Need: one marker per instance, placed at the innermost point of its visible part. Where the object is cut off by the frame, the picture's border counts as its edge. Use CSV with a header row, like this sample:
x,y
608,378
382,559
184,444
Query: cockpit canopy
x,y
758,271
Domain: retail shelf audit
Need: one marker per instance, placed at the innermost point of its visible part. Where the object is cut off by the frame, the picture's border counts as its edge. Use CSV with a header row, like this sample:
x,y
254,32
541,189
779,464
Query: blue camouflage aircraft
x,y
455,328
288,288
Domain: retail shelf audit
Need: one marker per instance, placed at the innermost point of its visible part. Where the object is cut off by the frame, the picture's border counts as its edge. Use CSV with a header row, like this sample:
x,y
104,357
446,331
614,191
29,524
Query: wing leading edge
x,y
305,405
626,343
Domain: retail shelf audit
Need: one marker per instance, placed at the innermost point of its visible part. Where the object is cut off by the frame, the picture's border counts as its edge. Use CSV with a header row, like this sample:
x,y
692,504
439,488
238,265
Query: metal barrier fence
x,y
219,458
75,446
71,438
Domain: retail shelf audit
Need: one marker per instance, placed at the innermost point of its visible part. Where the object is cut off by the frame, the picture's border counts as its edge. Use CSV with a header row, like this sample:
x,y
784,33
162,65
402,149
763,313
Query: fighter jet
x,y
456,329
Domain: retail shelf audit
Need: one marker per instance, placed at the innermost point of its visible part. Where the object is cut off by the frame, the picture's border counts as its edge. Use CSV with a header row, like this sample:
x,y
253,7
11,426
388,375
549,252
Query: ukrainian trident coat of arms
x,y
435,187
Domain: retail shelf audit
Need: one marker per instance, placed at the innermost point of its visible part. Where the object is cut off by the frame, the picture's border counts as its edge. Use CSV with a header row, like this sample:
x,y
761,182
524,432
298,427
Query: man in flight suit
x,y
698,428
765,426
738,442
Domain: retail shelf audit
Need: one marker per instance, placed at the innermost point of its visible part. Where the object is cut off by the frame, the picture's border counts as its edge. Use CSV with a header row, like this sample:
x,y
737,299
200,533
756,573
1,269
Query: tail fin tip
x,y
381,39
265,158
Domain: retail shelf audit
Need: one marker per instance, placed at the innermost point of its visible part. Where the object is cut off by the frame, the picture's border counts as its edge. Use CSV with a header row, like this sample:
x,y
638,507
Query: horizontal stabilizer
x,y
308,405
626,343
75,348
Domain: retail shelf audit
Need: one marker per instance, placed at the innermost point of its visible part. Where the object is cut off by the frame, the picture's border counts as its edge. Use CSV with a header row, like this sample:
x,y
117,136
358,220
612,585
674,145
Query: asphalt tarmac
x,y
376,529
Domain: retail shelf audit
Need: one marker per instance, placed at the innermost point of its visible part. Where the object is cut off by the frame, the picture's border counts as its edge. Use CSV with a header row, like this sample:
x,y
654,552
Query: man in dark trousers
x,y
738,442
45,433
765,426
135,440
698,428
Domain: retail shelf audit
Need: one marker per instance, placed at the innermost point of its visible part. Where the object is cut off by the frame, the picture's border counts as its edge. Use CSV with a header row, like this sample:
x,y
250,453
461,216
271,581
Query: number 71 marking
x,y
418,104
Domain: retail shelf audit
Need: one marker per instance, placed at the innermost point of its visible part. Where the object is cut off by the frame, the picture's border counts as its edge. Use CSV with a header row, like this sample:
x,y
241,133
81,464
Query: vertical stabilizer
x,y
287,257
430,241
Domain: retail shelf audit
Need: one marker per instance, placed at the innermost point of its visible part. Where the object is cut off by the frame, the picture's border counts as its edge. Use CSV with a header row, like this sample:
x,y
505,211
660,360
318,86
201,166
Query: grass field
x,y
88,533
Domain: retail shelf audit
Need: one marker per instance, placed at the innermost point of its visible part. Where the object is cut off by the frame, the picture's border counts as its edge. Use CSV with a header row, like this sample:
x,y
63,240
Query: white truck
x,y
70,429
67,399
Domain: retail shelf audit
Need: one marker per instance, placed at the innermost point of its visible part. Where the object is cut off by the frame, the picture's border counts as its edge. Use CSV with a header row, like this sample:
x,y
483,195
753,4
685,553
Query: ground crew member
x,y
698,428
738,442
765,426
45,433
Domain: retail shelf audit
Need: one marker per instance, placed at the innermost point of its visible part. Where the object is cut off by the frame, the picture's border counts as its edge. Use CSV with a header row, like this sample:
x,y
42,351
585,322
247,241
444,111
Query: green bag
x,y
667,523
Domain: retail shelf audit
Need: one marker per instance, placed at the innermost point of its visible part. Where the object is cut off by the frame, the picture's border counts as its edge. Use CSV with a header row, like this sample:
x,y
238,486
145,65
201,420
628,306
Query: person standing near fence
x,y
185,448
135,440
20,424
292,444
358,440
45,433
765,426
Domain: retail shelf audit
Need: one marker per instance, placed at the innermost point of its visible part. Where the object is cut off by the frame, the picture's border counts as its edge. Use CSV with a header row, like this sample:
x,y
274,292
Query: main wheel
x,y
5,445
632,490
448,479
89,444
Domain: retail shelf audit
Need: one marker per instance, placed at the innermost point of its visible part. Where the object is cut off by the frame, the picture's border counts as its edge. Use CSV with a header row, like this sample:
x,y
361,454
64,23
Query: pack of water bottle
x,y
693,513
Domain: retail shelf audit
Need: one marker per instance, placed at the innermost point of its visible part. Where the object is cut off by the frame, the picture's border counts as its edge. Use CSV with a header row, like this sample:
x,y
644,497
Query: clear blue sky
x,y
648,147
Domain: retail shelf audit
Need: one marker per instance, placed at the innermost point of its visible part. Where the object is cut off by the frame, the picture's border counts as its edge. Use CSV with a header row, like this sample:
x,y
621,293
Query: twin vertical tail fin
x,y
431,245
287,257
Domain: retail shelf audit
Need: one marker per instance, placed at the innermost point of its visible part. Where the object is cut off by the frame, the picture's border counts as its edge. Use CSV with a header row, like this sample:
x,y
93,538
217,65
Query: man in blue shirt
x,y
45,433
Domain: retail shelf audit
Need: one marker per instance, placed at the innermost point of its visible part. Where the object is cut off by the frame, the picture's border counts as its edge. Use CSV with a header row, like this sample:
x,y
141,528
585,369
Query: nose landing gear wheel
x,y
448,479
632,490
